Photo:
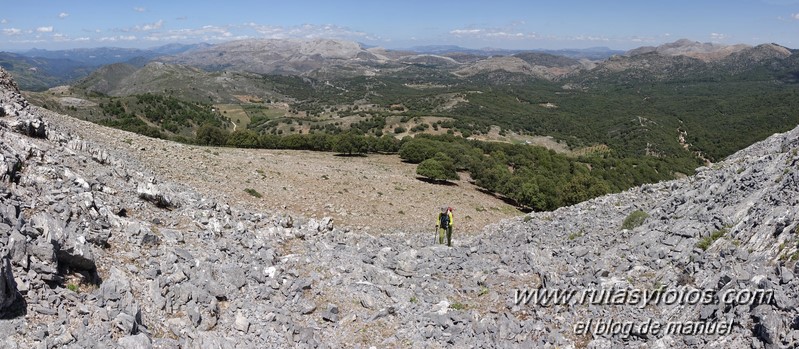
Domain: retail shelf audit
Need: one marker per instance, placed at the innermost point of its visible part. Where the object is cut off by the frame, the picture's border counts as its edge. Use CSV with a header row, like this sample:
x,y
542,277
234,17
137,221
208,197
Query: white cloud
x,y
505,35
29,41
205,33
45,29
795,16
117,38
12,31
63,15
150,26
593,38
309,31
717,36
3,21
466,31
139,9
493,34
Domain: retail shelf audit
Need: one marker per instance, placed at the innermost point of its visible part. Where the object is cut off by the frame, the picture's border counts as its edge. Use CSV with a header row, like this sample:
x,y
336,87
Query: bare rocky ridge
x,y
322,57
704,51
278,56
100,251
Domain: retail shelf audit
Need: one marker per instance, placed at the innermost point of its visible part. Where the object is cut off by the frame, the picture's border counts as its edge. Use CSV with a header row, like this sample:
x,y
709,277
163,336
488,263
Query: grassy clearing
x,y
236,114
261,111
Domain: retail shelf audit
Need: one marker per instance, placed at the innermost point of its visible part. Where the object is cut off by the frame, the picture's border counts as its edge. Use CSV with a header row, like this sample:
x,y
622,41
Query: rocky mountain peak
x,y
6,82
764,51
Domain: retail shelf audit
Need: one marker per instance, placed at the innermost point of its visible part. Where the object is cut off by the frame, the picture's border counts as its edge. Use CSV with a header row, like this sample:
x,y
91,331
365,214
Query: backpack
x,y
443,220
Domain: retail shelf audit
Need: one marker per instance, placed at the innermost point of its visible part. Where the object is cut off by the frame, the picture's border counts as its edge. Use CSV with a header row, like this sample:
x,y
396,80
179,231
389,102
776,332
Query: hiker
x,y
444,225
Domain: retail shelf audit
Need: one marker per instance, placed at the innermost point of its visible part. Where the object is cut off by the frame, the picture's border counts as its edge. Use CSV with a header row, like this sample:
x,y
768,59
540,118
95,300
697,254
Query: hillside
x,y
37,74
650,115
103,249
680,87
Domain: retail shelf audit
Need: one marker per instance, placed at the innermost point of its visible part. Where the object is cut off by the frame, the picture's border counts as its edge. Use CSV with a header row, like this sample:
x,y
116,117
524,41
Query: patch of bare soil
x,y
548,142
378,193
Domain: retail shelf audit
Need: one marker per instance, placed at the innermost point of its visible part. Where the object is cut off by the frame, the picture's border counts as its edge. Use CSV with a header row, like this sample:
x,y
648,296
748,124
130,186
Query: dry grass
x,y
379,193
236,114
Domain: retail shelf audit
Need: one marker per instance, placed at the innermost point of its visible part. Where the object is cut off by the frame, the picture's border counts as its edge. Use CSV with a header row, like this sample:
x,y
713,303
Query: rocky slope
x,y
704,51
99,252
690,61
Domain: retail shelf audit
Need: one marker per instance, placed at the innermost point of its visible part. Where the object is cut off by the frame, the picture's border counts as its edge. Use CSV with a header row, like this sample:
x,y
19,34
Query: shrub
x,y
253,192
458,306
635,219
705,243
576,235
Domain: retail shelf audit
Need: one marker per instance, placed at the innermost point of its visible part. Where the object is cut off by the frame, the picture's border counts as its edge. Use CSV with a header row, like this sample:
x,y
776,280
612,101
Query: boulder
x,y
241,323
330,313
139,341
153,193
74,251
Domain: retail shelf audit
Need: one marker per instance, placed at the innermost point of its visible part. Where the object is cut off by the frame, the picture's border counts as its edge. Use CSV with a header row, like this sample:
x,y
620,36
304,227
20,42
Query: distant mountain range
x,y
593,53
109,55
323,58
39,69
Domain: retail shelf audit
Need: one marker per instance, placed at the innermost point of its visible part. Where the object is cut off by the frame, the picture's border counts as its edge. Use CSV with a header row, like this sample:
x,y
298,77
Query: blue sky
x,y
523,24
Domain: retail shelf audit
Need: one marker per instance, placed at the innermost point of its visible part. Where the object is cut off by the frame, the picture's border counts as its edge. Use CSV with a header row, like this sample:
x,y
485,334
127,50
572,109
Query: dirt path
x,y
688,146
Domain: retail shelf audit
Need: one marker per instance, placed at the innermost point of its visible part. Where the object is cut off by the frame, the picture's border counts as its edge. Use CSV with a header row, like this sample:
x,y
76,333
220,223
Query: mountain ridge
x,y
331,58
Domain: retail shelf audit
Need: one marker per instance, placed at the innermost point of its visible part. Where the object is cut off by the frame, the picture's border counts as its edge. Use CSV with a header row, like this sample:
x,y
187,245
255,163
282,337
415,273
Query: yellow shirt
x,y
438,220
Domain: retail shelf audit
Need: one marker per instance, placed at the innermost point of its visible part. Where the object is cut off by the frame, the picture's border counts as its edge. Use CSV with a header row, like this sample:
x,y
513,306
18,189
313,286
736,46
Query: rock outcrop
x,y
99,252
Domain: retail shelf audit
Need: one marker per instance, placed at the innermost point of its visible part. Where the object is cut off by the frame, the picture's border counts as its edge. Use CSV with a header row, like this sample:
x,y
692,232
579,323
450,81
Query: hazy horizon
x,y
512,25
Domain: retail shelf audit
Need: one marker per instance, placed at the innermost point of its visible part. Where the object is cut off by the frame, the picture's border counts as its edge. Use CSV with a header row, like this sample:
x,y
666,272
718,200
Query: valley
x,y
611,124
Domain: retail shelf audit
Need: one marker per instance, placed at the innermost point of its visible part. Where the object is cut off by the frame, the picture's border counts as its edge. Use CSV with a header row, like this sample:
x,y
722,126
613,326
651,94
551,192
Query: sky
x,y
513,24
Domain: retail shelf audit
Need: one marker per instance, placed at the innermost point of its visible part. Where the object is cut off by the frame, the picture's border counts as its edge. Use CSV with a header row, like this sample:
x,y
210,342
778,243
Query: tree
x,y
387,144
583,187
417,150
208,134
243,139
439,168
349,143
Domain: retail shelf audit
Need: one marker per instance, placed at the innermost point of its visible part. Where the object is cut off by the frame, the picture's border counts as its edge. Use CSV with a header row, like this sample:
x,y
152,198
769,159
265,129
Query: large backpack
x,y
443,220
